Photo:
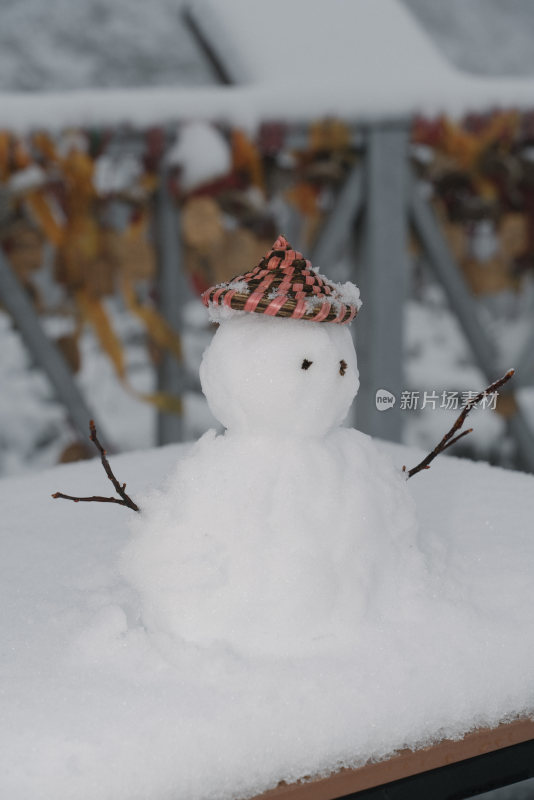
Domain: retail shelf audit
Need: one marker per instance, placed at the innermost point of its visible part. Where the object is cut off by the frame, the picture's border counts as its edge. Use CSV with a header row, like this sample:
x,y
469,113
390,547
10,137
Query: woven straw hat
x,y
284,284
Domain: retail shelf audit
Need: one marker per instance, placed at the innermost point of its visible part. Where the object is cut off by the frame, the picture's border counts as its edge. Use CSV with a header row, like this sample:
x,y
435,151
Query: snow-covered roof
x,y
93,706
297,42
356,57
292,60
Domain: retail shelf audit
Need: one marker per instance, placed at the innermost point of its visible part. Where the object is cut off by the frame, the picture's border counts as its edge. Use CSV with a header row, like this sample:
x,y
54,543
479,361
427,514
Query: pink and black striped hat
x,y
284,284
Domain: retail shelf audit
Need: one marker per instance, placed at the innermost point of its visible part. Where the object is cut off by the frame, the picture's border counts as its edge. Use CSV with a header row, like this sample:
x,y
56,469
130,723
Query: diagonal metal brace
x,y
341,219
44,352
461,300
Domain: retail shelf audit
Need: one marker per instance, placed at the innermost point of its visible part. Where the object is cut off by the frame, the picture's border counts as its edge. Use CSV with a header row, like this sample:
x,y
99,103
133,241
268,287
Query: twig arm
x,y
121,490
125,499
447,440
456,438
94,498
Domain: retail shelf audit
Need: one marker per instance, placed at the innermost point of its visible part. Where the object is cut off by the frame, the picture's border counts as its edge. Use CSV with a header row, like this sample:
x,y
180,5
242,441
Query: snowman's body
x,y
274,538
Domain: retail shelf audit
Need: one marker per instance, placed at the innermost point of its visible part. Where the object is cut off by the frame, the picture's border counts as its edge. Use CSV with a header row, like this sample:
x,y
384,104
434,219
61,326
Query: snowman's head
x,y
280,376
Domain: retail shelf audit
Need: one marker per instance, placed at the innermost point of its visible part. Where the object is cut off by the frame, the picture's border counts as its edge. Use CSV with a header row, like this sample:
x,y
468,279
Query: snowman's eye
x,y
342,367
306,364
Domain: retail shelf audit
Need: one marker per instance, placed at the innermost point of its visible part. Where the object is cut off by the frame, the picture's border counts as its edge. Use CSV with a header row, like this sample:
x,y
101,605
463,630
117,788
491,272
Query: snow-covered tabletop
x,y
93,706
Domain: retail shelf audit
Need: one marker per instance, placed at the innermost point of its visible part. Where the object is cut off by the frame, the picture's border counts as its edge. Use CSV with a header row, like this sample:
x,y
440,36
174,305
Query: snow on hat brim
x,y
284,284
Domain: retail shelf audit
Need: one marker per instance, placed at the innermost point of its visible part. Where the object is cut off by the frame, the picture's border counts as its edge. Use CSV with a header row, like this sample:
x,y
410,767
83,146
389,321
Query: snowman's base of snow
x,y
408,764
241,550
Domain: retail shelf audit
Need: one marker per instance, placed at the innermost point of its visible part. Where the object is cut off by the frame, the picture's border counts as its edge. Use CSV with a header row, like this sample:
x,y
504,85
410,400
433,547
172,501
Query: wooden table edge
x,y
406,763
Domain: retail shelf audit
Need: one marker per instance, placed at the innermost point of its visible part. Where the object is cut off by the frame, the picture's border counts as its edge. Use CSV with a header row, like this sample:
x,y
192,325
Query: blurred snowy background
x,y
63,45
104,43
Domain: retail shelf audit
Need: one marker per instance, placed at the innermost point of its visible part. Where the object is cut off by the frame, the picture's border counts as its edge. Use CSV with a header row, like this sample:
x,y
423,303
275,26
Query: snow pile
x,y
277,537
93,705
202,152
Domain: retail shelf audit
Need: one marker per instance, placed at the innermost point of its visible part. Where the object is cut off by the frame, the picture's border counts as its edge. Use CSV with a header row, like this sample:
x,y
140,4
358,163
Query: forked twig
x,y
125,500
447,440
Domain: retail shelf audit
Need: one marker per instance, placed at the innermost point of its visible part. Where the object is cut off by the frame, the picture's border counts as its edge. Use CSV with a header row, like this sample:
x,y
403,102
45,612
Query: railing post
x,y
173,293
383,279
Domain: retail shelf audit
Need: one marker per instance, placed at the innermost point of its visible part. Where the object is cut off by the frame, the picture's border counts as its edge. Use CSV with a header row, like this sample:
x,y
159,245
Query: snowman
x,y
278,537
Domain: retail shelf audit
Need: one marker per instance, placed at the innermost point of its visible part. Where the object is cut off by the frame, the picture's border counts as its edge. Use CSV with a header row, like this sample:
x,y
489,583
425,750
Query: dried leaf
x,y
68,347
133,251
202,225
4,156
157,326
239,252
489,277
23,245
304,197
168,403
506,405
513,235
76,451
94,313
21,155
39,206
329,134
246,158
43,142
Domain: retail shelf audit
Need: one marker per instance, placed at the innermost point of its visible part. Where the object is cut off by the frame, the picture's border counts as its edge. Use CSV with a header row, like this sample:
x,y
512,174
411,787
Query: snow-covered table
x,y
481,760
91,706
